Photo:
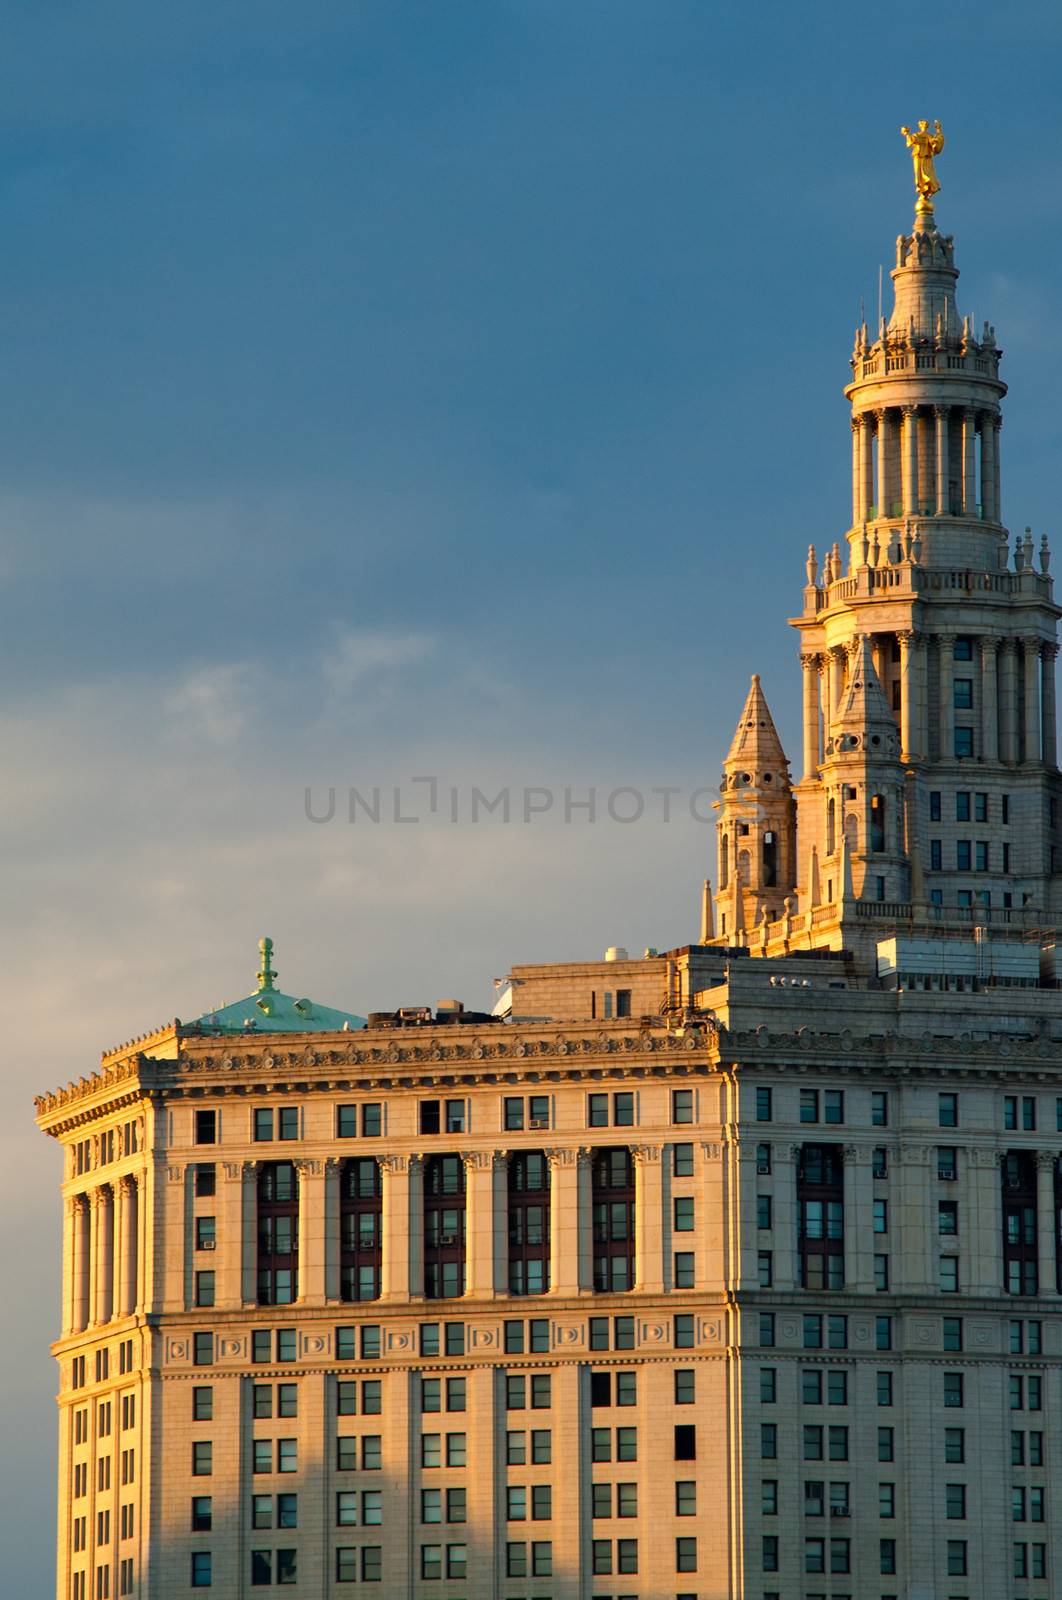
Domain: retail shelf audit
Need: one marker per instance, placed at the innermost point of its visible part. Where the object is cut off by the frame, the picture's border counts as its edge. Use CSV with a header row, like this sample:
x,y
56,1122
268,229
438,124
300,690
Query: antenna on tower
x,y
881,274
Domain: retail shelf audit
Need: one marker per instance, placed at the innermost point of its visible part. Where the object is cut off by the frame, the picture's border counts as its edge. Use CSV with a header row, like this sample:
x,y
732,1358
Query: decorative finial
x,y
266,974
923,146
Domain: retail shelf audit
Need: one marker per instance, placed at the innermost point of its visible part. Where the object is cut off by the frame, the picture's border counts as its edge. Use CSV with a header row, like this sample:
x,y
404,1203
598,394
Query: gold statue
x,y
923,146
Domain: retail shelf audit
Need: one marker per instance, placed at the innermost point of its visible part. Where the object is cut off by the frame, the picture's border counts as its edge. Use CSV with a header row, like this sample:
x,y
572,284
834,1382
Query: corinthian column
x,y
563,1221
396,1273
1032,698
80,1248
866,466
811,716
857,463
648,1218
943,499
1008,700
311,1231
1050,726
1045,1221
908,697
989,699
969,441
910,461
480,1212
989,489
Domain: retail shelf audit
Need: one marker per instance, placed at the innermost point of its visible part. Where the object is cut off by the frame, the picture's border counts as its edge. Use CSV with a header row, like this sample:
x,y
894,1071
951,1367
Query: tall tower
x,y
756,830
960,640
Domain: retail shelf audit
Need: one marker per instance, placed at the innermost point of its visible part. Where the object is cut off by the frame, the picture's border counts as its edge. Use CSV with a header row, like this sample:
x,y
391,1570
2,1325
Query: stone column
x,y
128,1246
228,1254
564,1219
912,1226
989,699
333,1177
479,1223
910,461
866,460
837,661
908,697
1032,698
1045,1221
1008,700
997,480
857,486
989,494
249,1234
783,1213
884,463
105,1256
984,1265
969,484
500,1229
1048,652
811,716
80,1256
311,1231
650,1226
395,1274
946,664
943,498
859,1237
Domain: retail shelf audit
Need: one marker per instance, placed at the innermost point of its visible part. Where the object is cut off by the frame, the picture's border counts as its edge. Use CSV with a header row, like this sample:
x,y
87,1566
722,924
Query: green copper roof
x,y
270,1011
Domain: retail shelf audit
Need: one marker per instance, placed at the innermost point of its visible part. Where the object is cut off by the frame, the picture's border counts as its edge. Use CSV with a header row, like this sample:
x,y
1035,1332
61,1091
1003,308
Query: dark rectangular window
x,y
206,1127
763,1105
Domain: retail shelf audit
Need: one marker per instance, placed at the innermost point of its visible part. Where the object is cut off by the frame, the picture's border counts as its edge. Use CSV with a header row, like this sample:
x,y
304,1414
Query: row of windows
x,y
827,1105
366,1119
969,806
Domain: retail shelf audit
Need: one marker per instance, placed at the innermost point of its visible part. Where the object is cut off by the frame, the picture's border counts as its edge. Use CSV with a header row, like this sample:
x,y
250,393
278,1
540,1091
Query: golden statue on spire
x,y
923,146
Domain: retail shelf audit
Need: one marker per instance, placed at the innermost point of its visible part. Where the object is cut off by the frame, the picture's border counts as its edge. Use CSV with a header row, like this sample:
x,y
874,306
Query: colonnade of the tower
x,y
103,1245
1007,702
925,460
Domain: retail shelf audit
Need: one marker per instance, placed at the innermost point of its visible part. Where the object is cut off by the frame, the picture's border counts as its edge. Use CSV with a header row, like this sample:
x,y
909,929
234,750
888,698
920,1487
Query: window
x,y
202,1458
763,1211
886,1447
936,855
813,1440
951,1333
948,1110
768,1385
682,1105
203,1404
955,1502
763,1159
768,1441
203,1349
879,1109
765,1269
887,1555
883,1333
881,1216
956,1558
879,1167
884,1388
934,805
947,1218
685,1441
809,1105
204,1288
202,1569
955,1445
682,1160
833,1105
686,1497
767,1328
953,1387
205,1233
684,1269
684,1336
812,1331
886,1500
206,1127
963,743
948,1274
683,1214
763,1105
947,1163
685,1555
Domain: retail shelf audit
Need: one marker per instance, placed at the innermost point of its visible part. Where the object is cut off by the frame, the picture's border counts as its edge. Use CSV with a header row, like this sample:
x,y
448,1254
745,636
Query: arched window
x,y
724,861
528,1223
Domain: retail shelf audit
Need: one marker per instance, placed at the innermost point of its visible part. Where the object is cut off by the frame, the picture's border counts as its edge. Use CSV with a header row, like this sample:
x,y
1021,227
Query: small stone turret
x,y
757,825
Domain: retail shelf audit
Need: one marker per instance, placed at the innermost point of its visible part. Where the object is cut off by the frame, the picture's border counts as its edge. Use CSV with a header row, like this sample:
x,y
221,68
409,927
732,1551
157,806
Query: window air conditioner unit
x,y
207,1244
538,1122
947,1177
448,1238
763,1167
840,1511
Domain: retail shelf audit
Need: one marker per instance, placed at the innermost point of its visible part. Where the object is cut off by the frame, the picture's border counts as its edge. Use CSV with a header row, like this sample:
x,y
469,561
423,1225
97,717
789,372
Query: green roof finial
x,y
266,975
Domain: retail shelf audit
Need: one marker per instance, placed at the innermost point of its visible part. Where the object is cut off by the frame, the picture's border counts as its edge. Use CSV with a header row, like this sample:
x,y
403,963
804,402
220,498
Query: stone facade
x,y
733,1271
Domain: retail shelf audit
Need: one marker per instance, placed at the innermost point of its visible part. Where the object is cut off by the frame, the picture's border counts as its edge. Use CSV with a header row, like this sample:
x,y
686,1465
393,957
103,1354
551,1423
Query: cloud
x,y
359,655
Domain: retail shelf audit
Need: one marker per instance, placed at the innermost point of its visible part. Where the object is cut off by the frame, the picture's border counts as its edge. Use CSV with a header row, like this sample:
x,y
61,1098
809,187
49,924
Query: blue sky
x,y
449,388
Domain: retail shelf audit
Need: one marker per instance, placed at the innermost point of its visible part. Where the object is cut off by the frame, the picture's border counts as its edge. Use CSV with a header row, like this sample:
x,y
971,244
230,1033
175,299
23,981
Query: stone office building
x,y
727,1272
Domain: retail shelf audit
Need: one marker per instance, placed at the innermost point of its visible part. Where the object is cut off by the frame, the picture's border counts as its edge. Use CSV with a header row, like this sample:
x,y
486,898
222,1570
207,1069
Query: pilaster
x,y
311,1232
650,1226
